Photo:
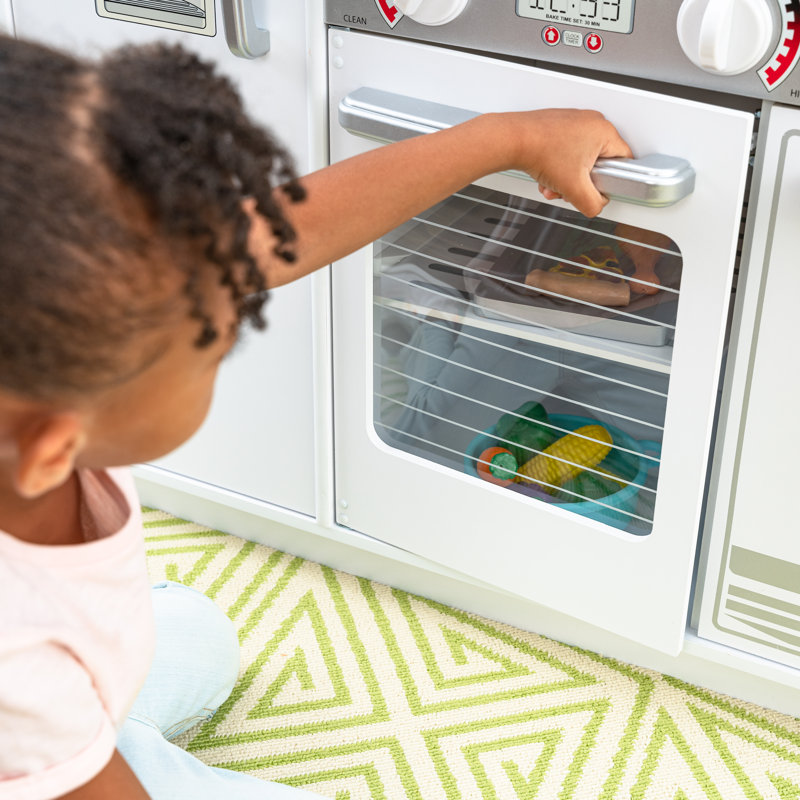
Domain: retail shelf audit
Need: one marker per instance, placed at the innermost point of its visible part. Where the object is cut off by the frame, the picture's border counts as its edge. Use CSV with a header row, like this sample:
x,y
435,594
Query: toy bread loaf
x,y
599,292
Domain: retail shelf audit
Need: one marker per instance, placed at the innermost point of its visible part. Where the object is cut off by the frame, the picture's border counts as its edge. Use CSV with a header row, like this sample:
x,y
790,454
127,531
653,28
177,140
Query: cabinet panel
x,y
264,401
751,598
445,335
6,18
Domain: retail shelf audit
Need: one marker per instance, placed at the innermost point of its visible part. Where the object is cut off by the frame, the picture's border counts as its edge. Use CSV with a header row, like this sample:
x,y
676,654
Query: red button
x,y
593,43
551,36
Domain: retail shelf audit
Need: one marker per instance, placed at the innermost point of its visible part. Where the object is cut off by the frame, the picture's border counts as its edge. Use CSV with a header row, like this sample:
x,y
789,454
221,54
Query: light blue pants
x,y
195,666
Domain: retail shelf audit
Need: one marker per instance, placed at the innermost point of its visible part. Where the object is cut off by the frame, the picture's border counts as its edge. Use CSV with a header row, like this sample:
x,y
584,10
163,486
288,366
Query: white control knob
x,y
726,37
431,12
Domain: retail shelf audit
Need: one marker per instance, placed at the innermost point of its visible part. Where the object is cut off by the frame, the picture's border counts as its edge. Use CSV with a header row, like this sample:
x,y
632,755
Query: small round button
x,y
593,43
551,36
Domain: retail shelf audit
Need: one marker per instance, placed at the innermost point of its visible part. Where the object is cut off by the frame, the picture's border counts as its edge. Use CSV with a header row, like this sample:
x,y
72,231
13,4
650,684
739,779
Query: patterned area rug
x,y
356,691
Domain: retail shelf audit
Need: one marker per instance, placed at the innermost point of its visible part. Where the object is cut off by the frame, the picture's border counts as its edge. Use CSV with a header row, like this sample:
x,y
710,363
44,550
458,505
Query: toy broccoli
x,y
522,433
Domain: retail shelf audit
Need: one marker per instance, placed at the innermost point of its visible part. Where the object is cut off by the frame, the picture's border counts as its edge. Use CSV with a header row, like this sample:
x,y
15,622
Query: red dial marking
x,y
785,56
389,12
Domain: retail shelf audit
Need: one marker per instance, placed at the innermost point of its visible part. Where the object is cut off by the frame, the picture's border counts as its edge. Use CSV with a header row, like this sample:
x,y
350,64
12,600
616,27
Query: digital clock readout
x,y
615,16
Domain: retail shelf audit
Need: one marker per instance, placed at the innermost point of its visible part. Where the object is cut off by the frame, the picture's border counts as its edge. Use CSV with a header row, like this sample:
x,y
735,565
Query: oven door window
x,y
523,345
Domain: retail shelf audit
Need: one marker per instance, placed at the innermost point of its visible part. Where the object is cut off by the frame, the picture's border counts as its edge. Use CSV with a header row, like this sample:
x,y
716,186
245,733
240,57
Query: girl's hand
x,y
357,200
558,148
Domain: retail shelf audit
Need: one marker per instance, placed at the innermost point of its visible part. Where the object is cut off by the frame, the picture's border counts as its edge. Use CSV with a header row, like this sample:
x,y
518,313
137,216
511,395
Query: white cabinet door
x,y
259,436
751,596
449,331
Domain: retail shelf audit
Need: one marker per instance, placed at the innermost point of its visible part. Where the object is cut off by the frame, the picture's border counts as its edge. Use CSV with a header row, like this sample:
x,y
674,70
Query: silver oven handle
x,y
654,180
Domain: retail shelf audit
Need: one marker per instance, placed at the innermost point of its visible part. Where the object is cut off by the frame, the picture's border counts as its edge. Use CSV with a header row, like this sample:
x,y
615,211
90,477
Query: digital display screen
x,y
615,16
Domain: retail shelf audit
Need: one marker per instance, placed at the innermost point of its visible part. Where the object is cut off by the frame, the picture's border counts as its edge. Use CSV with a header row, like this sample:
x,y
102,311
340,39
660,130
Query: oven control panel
x,y
749,48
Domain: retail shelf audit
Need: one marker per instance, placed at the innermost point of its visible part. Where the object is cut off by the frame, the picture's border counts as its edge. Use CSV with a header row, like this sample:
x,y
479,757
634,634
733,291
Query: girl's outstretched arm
x,y
355,201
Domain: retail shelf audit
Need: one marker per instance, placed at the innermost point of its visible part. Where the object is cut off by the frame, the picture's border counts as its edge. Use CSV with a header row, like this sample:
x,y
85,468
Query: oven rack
x,y
654,359
545,395
438,263
483,241
477,241
438,321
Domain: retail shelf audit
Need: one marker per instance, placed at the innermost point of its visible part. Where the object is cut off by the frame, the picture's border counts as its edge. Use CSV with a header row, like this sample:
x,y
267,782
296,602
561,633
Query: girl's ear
x,y
47,449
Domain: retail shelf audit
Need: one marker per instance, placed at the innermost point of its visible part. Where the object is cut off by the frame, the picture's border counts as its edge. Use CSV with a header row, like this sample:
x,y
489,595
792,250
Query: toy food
x,y
587,265
589,485
567,457
590,290
496,465
535,491
522,434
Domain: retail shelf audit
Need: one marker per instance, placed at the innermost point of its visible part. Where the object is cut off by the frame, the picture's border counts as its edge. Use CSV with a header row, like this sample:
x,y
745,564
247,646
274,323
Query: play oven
x,y
523,394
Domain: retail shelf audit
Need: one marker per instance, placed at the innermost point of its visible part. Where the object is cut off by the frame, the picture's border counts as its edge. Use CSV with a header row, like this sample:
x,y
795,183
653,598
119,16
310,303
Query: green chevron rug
x,y
356,691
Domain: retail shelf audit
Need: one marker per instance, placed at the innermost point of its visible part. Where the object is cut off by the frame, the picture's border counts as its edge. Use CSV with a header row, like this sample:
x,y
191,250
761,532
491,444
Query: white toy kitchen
x,y
581,427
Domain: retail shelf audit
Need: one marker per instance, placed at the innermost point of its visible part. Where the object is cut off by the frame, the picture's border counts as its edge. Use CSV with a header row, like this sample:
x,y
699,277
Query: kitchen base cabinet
x,y
6,18
751,587
259,439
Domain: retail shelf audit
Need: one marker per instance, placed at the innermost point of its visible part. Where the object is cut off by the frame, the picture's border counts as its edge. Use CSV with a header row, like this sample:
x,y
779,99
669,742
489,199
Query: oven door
x,y
521,393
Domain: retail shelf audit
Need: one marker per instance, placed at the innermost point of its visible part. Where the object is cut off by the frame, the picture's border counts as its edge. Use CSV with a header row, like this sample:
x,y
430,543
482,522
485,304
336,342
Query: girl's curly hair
x,y
76,278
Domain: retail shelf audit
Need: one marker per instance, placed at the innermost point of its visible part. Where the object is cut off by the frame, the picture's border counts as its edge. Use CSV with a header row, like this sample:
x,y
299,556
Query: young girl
x,y
142,218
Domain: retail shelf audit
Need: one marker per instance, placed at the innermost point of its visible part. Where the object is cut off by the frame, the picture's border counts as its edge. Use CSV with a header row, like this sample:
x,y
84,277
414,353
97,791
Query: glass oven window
x,y
524,345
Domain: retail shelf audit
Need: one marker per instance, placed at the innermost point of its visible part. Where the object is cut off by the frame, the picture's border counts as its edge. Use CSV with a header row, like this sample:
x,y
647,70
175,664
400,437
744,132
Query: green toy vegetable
x,y
589,485
522,433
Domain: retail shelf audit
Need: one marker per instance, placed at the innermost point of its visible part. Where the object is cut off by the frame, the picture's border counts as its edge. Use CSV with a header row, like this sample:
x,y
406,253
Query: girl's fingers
x,y
549,194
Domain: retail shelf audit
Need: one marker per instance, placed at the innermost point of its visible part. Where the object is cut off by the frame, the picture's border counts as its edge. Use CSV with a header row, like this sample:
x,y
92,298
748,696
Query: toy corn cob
x,y
567,457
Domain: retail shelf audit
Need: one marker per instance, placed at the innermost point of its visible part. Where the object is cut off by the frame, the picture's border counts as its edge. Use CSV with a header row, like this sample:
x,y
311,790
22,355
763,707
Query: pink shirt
x,y
76,641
